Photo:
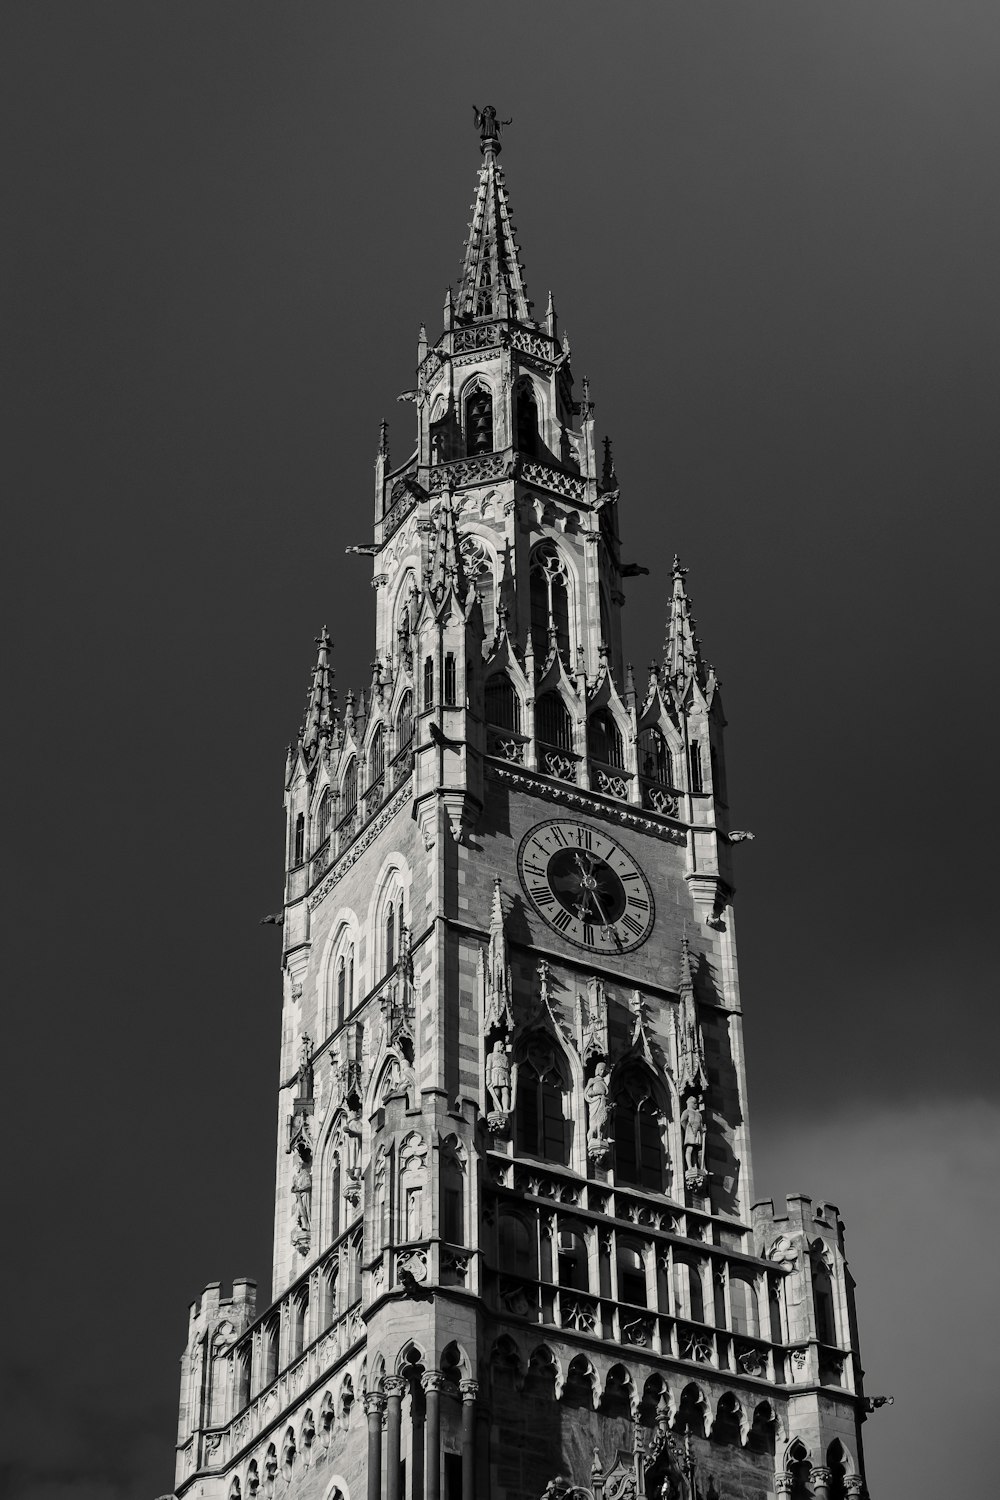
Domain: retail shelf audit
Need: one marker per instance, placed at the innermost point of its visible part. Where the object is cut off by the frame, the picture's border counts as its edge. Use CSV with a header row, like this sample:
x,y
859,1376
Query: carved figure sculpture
x,y
302,1193
693,1128
596,1095
304,1083
498,1077
353,1130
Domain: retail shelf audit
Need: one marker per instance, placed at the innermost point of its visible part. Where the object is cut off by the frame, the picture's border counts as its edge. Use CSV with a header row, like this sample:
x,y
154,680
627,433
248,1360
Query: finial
x,y
608,467
550,318
490,129
383,439
422,344
677,571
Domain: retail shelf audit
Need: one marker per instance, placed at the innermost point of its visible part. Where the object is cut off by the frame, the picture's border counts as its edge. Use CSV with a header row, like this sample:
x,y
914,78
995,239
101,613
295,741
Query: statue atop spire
x,y
490,129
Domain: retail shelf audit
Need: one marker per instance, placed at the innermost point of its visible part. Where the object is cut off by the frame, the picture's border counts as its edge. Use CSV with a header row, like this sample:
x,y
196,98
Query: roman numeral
x,y
561,920
541,895
588,933
584,838
631,925
534,869
559,836
640,902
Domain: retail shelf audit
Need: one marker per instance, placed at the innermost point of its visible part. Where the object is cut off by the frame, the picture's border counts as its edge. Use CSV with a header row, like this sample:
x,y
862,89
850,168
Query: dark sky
x,y
773,236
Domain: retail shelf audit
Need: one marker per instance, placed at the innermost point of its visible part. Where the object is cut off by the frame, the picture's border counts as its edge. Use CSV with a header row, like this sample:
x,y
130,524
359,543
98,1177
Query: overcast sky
x,y
772,235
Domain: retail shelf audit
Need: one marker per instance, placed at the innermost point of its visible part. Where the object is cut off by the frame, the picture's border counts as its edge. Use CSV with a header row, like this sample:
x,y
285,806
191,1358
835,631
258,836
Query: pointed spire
x,y
444,569
681,654
492,281
383,440
319,705
550,318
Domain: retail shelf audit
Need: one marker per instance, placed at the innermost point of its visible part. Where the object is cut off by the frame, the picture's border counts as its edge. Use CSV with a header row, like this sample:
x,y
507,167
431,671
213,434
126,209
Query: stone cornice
x,y
592,802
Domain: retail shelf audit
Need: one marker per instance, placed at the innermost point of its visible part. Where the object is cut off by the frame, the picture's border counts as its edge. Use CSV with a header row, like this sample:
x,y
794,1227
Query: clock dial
x,y
586,886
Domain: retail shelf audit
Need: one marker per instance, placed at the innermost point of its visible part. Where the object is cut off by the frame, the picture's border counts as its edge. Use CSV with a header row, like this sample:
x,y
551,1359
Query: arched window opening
x,y
242,1393
639,1157
351,788
449,680
478,422
541,1124
604,740
549,586
516,1247
694,759
726,1427
631,1275
503,706
341,1011
527,419
428,681
354,1271
299,839
269,1352
836,1462
376,756
655,760
335,1191
323,818
298,1313
478,564
689,1299
571,1262
390,938
553,725
404,723
826,1323
743,1306
774,1312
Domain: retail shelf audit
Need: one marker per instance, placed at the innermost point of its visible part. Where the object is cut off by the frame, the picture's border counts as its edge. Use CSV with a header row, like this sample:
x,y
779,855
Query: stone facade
x,y
516,1247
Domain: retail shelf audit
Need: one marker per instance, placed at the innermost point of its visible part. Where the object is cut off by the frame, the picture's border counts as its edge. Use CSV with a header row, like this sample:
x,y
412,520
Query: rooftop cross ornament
x,y
490,128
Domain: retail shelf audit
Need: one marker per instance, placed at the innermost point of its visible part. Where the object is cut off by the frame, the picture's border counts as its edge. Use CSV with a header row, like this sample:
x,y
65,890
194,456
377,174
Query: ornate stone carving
x,y
693,1134
592,1022
598,1114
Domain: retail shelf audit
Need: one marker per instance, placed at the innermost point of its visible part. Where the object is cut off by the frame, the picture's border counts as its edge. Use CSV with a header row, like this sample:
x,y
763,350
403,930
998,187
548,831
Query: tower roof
x,y
492,283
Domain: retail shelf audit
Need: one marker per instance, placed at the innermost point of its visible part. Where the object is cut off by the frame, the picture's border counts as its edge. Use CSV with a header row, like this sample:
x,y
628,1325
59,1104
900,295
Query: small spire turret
x,y
319,704
681,651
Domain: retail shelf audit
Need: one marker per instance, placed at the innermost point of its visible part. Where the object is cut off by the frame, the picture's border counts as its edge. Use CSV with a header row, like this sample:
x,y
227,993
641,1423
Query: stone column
x,y
783,1484
854,1486
374,1408
821,1478
469,1390
432,1383
394,1387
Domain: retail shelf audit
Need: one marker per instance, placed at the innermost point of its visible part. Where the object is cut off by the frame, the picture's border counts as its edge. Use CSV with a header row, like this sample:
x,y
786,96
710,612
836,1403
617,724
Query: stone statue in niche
x,y
598,1113
304,1077
302,1193
498,1079
353,1131
693,1135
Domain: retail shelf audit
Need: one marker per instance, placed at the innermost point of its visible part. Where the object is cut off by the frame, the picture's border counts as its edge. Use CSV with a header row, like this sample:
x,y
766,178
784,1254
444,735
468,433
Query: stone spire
x,y
318,721
681,654
492,283
444,567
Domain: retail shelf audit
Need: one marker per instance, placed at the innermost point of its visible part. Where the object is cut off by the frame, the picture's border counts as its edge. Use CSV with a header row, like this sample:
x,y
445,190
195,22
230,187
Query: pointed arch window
x,y
655,759
299,839
450,680
341,992
541,1121
503,706
553,725
639,1156
376,756
549,585
390,937
527,418
404,723
604,739
478,422
478,565
323,818
428,681
350,793
335,1197
694,759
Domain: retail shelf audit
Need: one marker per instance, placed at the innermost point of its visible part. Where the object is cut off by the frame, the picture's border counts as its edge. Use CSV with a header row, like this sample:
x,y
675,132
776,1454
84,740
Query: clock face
x,y
586,886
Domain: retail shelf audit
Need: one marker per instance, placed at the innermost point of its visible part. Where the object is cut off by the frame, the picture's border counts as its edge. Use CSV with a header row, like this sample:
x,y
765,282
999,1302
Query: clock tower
x,y
517,1250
